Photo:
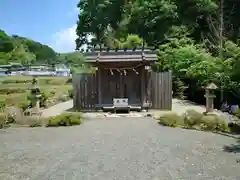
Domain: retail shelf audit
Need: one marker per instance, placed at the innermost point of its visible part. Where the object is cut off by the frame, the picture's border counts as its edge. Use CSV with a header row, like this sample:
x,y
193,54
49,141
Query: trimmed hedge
x,y
194,120
65,119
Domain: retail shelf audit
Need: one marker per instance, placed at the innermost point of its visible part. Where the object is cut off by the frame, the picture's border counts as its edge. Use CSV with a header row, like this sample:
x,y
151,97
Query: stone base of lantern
x,y
209,103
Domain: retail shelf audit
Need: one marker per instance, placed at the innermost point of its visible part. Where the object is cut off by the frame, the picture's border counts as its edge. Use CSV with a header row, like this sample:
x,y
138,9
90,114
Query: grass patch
x,y
15,91
194,120
65,119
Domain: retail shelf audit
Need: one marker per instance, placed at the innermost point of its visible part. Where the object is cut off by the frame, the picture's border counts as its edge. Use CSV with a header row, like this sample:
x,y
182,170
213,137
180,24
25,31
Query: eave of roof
x,y
120,56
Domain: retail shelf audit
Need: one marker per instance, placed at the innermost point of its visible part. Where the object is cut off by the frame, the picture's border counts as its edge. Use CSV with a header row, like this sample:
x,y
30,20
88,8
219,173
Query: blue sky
x,y
51,22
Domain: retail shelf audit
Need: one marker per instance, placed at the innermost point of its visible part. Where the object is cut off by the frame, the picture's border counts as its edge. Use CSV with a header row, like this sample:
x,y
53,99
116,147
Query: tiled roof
x,y
120,55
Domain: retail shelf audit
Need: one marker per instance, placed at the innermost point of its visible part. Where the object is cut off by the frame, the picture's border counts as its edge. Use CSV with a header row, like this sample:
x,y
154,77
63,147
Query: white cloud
x,y
64,40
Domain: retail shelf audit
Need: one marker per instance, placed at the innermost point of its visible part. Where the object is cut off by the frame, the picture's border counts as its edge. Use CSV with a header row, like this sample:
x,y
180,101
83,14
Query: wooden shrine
x,y
122,75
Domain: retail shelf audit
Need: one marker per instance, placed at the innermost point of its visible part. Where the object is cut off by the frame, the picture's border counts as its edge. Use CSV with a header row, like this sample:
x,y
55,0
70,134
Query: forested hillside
x,y
17,49
197,39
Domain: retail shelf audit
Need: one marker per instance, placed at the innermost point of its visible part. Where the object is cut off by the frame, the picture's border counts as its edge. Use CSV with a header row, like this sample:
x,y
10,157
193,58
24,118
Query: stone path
x,y
116,148
57,109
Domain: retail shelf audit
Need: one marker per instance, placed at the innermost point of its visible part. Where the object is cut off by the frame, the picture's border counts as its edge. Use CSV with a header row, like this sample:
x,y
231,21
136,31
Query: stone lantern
x,y
36,94
210,97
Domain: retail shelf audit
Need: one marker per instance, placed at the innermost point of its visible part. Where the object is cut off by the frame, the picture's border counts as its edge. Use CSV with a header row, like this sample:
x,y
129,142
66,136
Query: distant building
x,y
62,70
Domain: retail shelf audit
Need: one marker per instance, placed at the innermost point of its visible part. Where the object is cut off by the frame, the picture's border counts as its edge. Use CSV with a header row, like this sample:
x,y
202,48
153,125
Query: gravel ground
x,y
115,148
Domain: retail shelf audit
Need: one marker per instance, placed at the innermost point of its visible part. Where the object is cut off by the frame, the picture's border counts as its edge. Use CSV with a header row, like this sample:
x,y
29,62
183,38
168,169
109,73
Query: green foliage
x,y
40,51
15,91
41,80
65,119
150,19
2,104
6,44
214,123
25,51
178,88
11,90
237,113
22,50
188,37
70,93
171,119
2,120
43,100
16,81
194,120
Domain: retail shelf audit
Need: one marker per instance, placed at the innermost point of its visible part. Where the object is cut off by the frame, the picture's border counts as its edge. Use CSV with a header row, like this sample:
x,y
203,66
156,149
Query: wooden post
x,y
99,86
121,85
142,85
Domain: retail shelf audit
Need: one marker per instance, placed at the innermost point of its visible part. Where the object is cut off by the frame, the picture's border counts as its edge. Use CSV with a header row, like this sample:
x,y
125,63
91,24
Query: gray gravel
x,y
115,148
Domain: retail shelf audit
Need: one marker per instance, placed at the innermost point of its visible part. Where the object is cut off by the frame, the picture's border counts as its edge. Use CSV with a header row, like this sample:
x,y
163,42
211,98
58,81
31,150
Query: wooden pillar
x,y
121,85
99,72
142,85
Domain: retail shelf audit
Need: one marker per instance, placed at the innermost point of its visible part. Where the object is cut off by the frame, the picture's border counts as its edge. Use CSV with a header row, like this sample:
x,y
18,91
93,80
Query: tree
x,y
20,55
149,19
6,44
42,52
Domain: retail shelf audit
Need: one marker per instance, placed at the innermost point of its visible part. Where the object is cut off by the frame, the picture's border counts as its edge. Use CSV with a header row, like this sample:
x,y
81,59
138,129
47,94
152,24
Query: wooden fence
x,y
84,91
161,90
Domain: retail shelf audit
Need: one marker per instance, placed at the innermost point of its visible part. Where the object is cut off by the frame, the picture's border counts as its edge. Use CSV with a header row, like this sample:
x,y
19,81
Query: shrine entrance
x,y
125,84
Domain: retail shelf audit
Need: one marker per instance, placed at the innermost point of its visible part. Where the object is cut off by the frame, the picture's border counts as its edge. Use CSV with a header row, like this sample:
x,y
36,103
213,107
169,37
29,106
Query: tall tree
x,y
149,19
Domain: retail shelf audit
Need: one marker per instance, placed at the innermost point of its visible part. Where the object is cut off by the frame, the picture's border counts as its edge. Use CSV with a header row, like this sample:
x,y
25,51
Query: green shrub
x,y
195,120
65,119
237,113
178,88
24,104
43,100
2,120
69,81
2,103
192,118
12,90
171,119
70,93
62,97
209,123
222,125
214,123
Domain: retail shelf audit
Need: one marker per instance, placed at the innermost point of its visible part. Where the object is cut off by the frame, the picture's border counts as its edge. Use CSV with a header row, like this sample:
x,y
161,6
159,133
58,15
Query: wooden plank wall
x,y
161,90
84,91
